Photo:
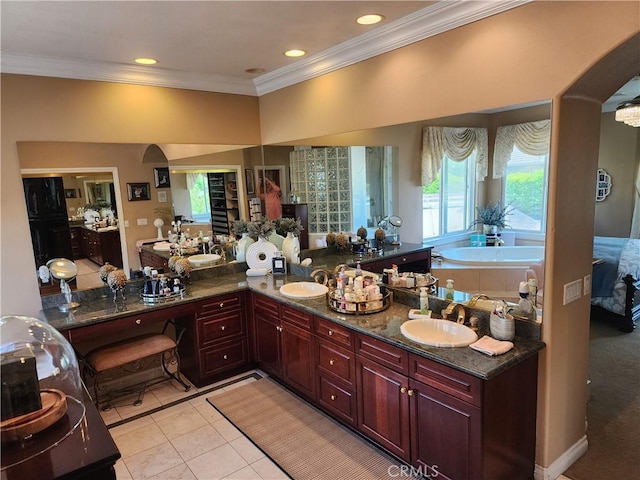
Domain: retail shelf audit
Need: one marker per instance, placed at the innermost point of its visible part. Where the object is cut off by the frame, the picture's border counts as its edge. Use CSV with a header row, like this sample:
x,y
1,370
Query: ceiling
x,y
209,45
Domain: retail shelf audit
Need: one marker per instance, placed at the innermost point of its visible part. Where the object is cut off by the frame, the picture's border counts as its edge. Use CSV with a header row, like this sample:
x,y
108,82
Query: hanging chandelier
x,y
629,112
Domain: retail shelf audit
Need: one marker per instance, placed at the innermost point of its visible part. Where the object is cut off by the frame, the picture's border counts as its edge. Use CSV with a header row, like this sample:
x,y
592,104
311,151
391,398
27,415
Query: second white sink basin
x,y
438,333
303,290
203,259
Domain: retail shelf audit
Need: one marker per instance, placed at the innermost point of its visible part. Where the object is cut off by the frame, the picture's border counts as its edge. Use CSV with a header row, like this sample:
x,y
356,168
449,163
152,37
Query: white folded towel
x,y
257,272
491,346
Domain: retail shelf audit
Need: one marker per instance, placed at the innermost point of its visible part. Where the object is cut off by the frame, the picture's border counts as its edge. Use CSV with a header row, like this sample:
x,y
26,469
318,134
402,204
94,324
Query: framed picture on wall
x,y
249,178
70,193
161,176
138,191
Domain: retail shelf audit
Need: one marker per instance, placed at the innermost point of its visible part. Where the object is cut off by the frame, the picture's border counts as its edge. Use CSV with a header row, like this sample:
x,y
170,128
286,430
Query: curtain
x,y
531,138
457,143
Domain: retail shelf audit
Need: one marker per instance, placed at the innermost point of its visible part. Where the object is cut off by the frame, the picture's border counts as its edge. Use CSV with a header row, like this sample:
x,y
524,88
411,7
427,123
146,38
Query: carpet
x,y
613,410
303,441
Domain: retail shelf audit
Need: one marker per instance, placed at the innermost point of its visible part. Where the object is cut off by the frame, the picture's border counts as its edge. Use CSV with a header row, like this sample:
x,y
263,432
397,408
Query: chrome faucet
x,y
498,241
476,297
321,276
456,308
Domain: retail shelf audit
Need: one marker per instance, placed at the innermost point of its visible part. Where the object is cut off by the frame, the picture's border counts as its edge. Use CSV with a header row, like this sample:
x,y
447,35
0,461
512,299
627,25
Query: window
x,y
199,196
525,187
448,201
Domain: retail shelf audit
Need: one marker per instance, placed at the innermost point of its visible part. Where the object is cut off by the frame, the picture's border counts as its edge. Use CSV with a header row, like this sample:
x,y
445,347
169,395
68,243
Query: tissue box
x,y
478,240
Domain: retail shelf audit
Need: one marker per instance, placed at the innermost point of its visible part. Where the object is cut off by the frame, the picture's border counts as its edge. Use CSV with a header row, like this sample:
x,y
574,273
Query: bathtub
x,y
494,256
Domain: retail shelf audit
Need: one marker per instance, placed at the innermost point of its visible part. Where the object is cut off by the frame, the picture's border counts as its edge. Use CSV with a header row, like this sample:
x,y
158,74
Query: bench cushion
x,y
129,350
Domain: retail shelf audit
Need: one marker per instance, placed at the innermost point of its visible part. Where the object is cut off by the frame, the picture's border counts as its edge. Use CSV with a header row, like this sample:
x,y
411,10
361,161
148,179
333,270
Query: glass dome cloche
x,y
42,391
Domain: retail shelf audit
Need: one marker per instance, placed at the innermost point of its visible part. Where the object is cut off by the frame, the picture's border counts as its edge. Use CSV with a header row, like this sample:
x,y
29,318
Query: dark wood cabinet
x,y
299,211
284,344
101,247
149,259
418,262
76,242
217,344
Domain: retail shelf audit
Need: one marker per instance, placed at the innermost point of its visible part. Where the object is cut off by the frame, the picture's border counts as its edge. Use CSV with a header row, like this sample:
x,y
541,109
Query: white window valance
x,y
457,143
531,138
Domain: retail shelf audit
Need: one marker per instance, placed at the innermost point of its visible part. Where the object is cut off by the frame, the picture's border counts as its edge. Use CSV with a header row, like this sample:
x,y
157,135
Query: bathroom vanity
x,y
454,410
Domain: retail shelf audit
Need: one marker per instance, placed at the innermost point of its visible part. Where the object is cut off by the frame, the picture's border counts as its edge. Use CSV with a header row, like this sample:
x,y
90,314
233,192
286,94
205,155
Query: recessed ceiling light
x,y
369,19
146,61
255,70
295,53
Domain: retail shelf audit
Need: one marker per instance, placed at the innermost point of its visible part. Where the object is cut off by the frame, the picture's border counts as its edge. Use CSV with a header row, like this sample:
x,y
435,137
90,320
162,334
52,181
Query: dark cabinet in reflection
x,y
299,211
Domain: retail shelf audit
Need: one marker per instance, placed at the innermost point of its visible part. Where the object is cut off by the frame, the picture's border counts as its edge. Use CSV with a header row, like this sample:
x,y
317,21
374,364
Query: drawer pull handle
x,y
222,327
404,259
225,357
138,321
403,389
330,332
280,329
410,392
333,397
221,304
332,362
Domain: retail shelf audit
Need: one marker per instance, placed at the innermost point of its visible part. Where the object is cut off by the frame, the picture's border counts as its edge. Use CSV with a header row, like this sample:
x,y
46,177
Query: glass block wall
x,y
321,178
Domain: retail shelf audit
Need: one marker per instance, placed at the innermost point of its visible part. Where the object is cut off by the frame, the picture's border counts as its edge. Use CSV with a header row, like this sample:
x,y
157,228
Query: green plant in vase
x,y
493,217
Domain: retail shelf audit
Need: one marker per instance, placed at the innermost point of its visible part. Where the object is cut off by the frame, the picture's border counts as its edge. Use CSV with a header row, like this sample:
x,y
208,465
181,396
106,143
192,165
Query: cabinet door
x,y
297,359
445,434
267,345
383,406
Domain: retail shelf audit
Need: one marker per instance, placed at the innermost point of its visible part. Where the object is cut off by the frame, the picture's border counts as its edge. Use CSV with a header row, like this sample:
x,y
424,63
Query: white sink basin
x,y
438,333
203,259
303,290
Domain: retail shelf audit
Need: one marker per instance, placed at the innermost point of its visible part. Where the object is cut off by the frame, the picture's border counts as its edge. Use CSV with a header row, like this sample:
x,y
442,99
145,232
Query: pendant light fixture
x,y
629,112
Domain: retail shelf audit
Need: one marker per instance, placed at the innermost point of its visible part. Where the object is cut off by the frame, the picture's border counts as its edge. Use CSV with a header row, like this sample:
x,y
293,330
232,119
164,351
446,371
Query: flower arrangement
x,y
331,239
495,215
240,227
341,240
362,233
260,228
380,235
285,225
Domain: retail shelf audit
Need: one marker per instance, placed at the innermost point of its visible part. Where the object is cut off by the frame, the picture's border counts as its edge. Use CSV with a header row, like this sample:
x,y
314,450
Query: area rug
x,y
304,442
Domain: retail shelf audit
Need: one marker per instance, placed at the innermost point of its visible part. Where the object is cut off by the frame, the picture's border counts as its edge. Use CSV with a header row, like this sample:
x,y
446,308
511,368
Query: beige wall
x,y
620,157
532,53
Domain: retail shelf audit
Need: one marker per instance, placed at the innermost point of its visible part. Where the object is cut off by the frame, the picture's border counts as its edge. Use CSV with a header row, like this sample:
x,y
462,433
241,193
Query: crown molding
x,y
425,23
437,18
82,70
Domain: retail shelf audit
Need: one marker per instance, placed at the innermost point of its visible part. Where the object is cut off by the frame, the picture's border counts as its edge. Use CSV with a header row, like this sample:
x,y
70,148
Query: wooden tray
x,y
54,406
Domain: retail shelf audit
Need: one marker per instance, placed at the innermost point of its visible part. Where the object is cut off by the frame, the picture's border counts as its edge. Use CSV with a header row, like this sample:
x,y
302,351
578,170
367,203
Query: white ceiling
x,y
209,45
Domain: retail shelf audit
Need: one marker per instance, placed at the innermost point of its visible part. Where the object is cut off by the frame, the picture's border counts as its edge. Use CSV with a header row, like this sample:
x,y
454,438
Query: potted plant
x,y
260,228
493,217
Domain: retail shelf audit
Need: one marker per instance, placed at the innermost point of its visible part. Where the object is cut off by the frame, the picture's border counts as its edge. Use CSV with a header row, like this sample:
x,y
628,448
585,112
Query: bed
x,y
615,283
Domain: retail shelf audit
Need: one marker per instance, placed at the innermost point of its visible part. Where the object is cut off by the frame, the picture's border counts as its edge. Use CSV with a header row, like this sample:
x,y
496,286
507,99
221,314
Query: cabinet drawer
x,y
266,304
446,379
383,353
336,361
333,332
218,327
222,357
337,399
297,317
218,305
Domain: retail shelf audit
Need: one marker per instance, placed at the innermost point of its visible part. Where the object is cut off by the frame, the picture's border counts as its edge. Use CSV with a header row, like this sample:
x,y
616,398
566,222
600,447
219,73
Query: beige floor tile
x,y
136,441
186,421
217,463
180,472
247,449
226,429
126,409
209,412
131,426
195,443
122,472
153,461
268,470
246,473
170,391
110,416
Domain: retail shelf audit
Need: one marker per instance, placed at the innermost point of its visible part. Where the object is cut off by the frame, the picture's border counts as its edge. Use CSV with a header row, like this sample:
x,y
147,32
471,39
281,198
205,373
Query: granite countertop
x,y
99,307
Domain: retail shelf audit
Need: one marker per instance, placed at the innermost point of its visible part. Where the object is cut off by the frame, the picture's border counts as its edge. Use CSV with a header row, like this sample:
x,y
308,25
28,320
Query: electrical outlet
x,y
142,221
586,284
572,291
126,223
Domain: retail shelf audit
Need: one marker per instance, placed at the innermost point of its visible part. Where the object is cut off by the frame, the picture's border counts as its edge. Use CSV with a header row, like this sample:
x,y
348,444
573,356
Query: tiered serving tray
x,y
339,304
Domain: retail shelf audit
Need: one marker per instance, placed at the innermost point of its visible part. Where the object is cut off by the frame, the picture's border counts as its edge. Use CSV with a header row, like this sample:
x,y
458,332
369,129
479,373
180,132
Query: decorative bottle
x,y
424,300
448,292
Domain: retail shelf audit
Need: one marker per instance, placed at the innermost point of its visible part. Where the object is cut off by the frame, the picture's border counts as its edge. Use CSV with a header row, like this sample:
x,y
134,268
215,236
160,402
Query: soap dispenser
x,y
424,300
448,292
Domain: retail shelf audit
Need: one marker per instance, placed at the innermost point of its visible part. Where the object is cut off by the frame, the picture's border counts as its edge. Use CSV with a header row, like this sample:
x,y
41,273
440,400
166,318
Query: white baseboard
x,y
563,462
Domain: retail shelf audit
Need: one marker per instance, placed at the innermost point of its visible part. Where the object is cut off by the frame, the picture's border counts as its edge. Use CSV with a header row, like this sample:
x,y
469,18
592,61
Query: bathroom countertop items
x,y
491,346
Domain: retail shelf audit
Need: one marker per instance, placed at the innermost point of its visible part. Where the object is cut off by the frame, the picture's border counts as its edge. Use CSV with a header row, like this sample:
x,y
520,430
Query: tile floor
x,y
87,274
177,435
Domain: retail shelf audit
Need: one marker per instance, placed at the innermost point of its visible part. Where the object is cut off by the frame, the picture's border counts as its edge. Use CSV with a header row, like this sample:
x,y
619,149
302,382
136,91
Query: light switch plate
x,y
586,284
572,291
142,221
